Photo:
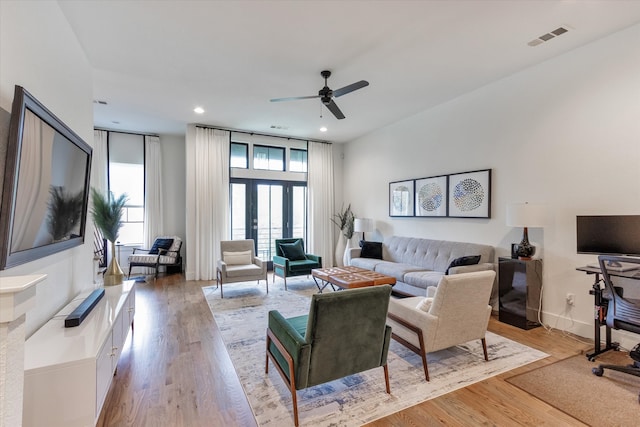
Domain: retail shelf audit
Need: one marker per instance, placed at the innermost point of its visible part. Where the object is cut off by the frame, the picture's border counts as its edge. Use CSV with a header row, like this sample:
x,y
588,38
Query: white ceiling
x,y
154,61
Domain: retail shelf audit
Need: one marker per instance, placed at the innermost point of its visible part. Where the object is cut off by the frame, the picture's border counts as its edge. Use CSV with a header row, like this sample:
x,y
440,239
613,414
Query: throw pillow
x,y
464,260
294,251
160,244
237,258
371,250
425,304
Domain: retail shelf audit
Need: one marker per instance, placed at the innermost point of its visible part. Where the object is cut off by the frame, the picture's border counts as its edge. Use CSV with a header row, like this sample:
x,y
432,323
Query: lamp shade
x,y
530,215
363,225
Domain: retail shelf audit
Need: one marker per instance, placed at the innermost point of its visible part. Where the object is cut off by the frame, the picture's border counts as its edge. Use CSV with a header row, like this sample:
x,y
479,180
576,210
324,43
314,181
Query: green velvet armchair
x,y
344,333
292,260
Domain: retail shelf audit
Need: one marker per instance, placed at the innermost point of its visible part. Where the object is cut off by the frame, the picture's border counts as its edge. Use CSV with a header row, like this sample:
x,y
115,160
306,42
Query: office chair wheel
x,y
597,371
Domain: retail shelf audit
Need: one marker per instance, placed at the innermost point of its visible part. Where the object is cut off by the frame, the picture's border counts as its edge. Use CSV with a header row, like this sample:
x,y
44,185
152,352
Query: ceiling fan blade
x,y
335,110
295,98
350,88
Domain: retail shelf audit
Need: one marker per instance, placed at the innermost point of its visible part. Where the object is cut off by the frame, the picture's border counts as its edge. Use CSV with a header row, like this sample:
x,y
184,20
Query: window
x,y
126,176
298,161
268,189
239,155
268,158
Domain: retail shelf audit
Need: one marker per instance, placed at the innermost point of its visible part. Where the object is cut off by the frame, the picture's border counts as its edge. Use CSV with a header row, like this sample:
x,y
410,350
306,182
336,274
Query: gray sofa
x,y
419,263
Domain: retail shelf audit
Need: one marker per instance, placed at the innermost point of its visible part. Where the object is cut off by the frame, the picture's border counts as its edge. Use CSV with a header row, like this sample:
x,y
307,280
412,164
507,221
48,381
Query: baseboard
x,y
585,330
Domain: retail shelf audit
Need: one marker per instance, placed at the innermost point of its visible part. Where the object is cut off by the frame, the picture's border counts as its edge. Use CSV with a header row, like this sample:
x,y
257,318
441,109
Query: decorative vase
x,y
340,247
346,259
114,275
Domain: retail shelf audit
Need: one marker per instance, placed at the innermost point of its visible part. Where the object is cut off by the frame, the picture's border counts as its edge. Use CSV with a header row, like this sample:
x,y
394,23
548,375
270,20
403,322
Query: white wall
x,y
565,133
39,51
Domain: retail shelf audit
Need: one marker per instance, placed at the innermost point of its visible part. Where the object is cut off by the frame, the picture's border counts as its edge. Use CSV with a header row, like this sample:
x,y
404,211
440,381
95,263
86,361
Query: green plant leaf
x,y
107,213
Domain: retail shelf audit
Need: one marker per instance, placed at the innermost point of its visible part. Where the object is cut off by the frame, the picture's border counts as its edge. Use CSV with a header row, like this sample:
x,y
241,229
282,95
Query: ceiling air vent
x,y
546,37
279,127
96,101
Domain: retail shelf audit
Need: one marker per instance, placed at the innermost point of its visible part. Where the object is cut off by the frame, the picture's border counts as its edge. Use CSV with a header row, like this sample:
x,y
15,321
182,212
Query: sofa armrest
x,y
257,261
289,340
280,260
355,252
471,268
222,266
431,291
315,258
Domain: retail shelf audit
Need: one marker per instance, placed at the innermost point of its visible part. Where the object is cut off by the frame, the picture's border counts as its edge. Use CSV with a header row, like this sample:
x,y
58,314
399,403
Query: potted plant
x,y
107,216
344,221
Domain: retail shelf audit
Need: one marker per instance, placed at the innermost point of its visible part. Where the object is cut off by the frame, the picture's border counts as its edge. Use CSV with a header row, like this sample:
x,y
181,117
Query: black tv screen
x,y
46,184
608,234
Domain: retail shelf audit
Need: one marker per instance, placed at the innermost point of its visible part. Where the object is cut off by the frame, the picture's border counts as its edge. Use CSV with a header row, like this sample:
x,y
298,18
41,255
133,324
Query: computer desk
x,y
600,308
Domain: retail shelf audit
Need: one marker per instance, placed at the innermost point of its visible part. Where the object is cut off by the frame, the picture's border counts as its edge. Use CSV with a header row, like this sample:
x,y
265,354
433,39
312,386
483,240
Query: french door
x,y
267,210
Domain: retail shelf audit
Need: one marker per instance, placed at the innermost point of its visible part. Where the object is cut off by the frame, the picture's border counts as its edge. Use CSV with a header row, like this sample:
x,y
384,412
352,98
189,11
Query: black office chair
x,y
622,313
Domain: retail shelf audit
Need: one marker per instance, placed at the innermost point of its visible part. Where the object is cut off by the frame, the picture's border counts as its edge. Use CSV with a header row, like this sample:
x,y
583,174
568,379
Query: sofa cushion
x,y
303,265
242,270
368,263
160,243
432,254
237,258
425,304
293,251
423,279
464,260
371,250
395,269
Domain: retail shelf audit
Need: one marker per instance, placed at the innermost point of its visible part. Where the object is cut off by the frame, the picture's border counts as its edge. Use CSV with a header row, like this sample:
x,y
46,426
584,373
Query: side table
x,y
520,286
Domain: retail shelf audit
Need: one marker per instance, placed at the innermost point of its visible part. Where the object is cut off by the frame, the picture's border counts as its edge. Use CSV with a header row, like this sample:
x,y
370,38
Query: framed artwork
x,y
401,198
431,196
470,194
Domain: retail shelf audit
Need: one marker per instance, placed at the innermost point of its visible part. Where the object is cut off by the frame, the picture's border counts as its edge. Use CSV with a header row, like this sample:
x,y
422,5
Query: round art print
x,y
468,195
430,197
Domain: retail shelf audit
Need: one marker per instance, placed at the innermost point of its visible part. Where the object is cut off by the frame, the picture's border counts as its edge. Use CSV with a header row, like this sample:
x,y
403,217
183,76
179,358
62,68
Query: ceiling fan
x,y
326,95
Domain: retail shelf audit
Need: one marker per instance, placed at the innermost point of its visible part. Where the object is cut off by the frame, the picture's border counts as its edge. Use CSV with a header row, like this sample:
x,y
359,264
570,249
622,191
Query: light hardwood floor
x,y
175,371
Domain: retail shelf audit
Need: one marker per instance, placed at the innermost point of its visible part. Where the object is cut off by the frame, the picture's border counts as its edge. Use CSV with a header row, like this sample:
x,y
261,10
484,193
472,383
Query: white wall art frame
x,y
470,194
401,198
431,197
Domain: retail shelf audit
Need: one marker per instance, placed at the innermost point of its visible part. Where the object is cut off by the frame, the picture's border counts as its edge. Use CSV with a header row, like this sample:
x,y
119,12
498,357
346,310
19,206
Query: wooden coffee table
x,y
349,277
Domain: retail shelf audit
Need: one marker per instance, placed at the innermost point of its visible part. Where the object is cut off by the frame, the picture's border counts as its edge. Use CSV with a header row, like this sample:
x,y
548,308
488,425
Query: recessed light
x,y
198,110
323,129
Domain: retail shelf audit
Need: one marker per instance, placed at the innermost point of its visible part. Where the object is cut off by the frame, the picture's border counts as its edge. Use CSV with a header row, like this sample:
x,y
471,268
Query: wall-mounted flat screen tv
x,y
45,193
608,234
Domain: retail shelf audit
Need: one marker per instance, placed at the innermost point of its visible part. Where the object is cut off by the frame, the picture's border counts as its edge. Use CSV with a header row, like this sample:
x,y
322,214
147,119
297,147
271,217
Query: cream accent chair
x,y
239,263
454,312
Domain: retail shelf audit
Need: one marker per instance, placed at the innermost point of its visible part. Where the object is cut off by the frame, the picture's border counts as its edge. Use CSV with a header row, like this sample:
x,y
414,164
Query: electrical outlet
x,y
571,298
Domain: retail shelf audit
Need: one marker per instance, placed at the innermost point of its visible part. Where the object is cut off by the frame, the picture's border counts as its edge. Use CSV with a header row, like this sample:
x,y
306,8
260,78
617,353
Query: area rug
x,y
352,401
569,385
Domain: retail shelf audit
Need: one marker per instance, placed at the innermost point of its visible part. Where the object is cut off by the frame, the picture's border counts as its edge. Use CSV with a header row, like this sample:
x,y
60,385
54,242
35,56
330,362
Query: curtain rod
x,y
262,134
126,132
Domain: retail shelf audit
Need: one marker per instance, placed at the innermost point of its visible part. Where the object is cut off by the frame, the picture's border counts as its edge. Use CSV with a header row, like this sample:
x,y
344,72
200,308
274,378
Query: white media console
x,y
68,371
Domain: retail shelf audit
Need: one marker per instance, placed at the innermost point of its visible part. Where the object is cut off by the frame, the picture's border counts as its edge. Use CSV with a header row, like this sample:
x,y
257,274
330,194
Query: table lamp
x,y
525,215
363,225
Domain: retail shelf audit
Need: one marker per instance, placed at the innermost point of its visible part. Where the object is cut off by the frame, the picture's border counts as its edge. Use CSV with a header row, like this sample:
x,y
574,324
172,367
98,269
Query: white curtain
x,y
207,209
153,208
99,163
321,204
